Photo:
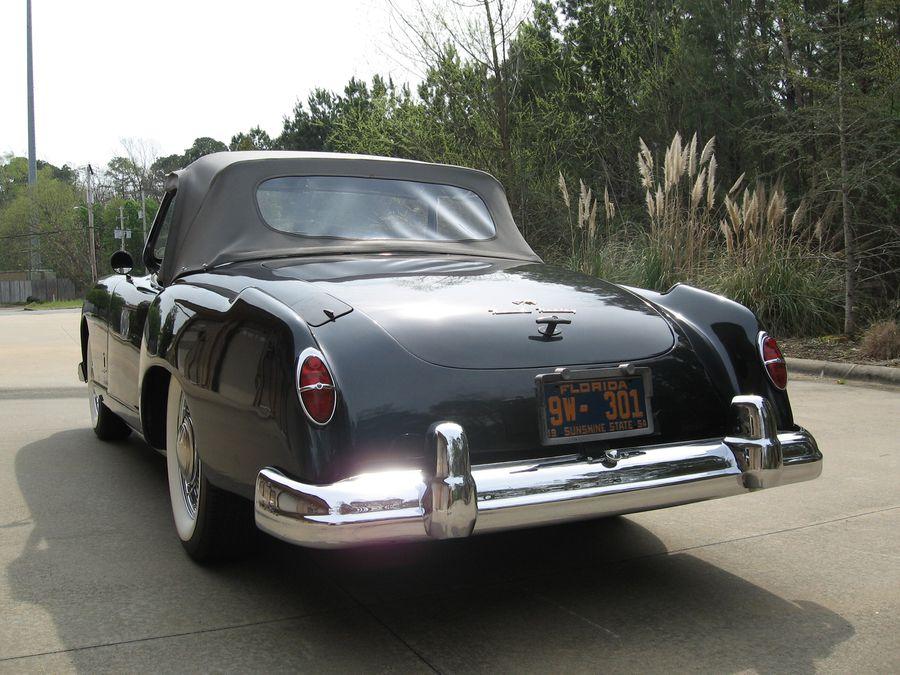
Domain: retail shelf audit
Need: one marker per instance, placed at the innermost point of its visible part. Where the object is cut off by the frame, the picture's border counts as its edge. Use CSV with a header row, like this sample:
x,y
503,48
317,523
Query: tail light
x,y
773,360
315,385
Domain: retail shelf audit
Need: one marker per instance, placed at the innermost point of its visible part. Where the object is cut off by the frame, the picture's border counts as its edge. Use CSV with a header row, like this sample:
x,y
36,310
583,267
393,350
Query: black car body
x,y
368,350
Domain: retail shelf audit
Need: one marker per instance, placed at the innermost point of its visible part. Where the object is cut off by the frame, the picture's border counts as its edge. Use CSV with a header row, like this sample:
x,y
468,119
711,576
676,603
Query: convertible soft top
x,y
217,220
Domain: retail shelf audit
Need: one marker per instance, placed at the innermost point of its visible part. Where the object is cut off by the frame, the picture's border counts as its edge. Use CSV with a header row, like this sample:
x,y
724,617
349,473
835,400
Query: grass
x,y
839,348
739,241
882,341
55,304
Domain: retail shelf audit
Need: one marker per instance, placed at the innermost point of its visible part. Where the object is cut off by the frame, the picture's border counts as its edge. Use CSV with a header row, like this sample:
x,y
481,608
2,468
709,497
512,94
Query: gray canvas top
x,y
216,218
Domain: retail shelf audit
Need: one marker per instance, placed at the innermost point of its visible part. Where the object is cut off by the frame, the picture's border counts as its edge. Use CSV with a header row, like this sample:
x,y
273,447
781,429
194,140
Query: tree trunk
x,y
849,242
501,98
791,96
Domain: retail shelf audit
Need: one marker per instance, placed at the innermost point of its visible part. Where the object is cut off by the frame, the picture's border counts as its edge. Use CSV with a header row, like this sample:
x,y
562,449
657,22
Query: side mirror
x,y
121,262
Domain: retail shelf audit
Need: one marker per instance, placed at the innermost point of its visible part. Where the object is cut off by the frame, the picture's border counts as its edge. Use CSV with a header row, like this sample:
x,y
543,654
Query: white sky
x,y
170,71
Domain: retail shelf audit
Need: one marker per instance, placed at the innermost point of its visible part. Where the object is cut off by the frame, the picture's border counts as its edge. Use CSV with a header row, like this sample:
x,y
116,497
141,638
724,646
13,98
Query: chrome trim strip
x,y
614,502
459,500
760,338
315,387
301,359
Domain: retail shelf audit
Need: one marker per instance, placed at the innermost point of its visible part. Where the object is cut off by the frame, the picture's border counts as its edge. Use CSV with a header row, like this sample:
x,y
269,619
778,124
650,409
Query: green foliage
x,y
576,87
123,176
106,221
255,139
383,121
312,127
14,175
793,291
55,304
759,255
165,165
48,211
55,213
625,259
791,294
200,147
203,146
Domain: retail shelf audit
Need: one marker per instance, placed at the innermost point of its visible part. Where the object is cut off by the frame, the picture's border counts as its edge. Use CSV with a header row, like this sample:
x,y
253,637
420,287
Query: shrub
x,y
771,264
745,245
791,294
621,260
882,341
759,254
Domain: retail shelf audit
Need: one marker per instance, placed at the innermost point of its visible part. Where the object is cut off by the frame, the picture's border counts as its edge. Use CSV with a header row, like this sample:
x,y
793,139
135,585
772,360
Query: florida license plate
x,y
594,405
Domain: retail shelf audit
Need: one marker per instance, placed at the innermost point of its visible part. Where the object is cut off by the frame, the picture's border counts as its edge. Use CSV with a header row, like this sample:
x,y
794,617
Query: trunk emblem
x,y
527,310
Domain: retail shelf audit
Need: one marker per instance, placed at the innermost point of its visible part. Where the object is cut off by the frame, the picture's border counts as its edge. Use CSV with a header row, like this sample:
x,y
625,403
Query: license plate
x,y
594,404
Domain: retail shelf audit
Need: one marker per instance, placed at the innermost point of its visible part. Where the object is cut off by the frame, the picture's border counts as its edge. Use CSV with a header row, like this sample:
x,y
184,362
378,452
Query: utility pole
x,y
35,257
122,227
143,214
90,207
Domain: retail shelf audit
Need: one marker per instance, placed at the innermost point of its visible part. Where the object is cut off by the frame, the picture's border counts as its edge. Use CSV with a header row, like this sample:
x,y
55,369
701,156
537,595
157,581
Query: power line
x,y
39,234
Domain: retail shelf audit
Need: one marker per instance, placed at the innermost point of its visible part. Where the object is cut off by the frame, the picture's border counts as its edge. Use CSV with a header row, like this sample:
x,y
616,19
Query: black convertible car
x,y
350,349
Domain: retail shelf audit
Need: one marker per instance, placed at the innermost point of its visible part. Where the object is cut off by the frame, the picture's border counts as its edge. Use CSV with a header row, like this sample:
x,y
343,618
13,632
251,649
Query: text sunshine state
x,y
599,428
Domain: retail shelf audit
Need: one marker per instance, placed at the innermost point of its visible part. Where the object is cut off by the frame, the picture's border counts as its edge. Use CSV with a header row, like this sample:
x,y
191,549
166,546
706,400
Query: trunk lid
x,y
481,313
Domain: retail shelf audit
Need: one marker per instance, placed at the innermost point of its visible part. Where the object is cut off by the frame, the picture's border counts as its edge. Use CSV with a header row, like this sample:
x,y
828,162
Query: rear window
x,y
346,207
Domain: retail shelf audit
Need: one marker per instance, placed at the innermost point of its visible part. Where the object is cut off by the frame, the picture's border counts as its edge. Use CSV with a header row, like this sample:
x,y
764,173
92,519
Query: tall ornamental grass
x,y
743,242
584,234
680,198
771,263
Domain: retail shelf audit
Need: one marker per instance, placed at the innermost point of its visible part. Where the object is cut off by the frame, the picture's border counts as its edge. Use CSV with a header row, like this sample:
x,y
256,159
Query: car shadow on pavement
x,y
102,560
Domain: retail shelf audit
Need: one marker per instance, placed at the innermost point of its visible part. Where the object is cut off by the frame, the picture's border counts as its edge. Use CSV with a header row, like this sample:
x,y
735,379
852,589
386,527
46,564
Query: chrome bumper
x,y
459,500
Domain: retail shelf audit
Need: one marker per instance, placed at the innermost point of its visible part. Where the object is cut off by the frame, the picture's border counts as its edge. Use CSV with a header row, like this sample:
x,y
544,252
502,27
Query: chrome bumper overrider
x,y
459,500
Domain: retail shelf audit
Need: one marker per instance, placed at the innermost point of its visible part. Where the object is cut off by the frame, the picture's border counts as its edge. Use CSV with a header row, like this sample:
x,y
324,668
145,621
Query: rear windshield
x,y
347,207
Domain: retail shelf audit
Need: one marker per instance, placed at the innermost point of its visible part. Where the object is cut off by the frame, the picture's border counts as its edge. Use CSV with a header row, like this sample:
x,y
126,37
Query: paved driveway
x,y
802,578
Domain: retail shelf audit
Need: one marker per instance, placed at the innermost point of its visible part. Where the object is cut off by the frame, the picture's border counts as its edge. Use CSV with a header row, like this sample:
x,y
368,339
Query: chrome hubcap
x,y
188,461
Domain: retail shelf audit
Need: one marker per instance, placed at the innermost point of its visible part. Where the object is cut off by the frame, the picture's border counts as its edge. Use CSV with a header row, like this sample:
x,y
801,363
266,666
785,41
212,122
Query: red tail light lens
x,y
316,388
773,360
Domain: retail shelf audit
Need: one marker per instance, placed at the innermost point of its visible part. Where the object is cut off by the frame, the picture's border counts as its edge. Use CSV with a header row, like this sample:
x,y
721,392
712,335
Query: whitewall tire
x,y
212,524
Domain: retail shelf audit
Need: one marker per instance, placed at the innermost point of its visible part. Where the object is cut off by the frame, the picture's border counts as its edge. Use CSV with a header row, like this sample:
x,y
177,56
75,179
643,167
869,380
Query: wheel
x,y
212,524
106,424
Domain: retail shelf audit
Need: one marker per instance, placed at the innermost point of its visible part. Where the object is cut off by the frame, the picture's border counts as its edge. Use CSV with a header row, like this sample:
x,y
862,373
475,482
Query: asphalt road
x,y
797,579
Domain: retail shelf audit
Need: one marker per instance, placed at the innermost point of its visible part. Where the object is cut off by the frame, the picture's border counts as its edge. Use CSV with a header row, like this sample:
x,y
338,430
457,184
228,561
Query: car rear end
x,y
413,450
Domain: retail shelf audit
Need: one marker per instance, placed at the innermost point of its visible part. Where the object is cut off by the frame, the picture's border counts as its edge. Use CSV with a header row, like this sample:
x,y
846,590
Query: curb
x,y
845,371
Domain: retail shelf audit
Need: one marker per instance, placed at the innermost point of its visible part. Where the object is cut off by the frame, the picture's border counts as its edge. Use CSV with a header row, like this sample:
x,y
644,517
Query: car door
x,y
97,307
133,296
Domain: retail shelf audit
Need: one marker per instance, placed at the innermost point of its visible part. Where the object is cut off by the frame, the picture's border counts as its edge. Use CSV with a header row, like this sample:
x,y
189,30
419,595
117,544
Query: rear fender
x,y
235,356
724,334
